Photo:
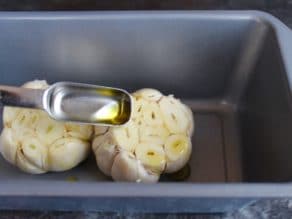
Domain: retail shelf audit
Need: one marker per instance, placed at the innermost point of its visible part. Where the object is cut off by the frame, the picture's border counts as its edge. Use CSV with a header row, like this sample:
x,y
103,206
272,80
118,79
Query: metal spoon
x,y
74,102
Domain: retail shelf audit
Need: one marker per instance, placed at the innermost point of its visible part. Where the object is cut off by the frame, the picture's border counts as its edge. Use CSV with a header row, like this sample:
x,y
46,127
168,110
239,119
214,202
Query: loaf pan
x,y
232,68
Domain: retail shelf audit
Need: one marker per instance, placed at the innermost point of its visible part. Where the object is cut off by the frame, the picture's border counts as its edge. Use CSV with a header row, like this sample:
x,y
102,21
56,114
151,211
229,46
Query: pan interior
x,y
232,65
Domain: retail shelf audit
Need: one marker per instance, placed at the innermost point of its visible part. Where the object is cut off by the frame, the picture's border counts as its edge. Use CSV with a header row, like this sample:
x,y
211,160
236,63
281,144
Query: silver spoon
x,y
74,102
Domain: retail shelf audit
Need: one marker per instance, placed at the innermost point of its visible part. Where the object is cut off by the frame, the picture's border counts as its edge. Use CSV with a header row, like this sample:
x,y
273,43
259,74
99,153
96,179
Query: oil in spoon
x,y
88,104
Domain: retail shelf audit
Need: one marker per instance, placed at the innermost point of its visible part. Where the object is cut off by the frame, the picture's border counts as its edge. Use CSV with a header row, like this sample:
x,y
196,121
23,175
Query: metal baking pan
x,y
233,68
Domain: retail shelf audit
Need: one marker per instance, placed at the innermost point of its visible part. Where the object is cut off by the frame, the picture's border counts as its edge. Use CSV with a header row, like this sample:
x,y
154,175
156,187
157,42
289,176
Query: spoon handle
x,y
21,97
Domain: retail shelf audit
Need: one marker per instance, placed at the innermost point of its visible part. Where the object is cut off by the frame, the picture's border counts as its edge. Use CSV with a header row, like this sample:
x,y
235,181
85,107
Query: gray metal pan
x,y
237,66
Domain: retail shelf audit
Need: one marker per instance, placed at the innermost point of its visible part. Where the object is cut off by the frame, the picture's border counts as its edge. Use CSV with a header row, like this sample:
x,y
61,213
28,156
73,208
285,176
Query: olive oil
x,y
72,179
180,175
114,112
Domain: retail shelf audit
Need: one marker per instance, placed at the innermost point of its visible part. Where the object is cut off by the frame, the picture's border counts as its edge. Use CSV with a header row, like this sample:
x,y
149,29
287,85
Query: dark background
x,y
280,8
142,4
